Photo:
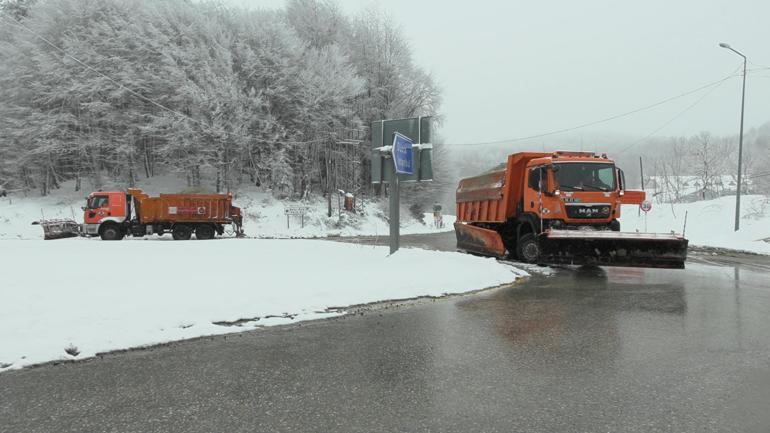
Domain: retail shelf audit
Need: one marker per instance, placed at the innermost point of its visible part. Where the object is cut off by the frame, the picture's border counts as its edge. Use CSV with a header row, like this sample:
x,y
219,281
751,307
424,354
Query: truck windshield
x,y
588,176
98,201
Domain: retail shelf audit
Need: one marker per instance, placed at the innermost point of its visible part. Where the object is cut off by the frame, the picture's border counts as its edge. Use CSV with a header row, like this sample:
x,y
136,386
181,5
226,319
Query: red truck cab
x,y
104,206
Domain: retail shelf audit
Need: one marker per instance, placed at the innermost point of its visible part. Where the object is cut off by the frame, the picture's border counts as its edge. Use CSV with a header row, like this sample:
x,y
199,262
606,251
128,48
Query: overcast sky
x,y
512,68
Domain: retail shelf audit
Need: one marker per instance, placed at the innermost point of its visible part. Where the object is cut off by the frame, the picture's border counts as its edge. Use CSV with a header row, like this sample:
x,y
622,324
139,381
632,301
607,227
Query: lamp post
x,y
740,140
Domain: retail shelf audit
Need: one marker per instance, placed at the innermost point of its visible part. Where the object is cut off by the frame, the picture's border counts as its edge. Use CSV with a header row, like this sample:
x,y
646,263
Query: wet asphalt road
x,y
583,350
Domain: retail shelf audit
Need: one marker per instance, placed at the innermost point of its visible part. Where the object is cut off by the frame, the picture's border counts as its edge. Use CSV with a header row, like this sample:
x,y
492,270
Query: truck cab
x,y
575,190
102,207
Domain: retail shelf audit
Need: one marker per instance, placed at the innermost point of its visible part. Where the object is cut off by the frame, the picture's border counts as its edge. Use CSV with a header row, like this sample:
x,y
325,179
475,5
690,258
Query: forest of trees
x,y
107,92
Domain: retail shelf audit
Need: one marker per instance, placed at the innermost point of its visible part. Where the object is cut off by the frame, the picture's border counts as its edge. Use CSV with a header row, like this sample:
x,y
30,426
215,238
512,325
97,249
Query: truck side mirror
x,y
621,180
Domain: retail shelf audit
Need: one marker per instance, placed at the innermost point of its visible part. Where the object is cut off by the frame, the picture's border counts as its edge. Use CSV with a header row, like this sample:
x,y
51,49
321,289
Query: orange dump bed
x,y
493,196
215,208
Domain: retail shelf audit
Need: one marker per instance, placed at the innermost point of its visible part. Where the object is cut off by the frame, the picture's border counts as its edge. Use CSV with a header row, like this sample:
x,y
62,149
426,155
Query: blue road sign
x,y
402,154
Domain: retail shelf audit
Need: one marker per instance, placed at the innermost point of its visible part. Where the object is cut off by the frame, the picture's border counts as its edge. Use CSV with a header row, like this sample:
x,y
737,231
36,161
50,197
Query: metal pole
x,y
684,229
419,130
740,152
740,141
393,204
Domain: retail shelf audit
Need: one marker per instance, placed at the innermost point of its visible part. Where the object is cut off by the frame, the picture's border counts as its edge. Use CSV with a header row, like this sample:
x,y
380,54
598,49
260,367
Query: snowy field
x,y
263,214
709,222
92,296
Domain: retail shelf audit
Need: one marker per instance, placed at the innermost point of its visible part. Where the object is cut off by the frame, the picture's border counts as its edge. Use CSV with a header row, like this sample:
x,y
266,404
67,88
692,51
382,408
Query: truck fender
x,y
117,220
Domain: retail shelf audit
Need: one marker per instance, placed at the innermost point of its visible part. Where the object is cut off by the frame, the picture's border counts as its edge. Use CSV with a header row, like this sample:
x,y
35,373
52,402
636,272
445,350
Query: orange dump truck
x,y
558,208
114,215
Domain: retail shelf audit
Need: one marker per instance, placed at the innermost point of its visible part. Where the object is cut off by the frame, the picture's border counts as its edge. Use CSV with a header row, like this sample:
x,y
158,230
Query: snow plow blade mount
x,y
607,248
479,240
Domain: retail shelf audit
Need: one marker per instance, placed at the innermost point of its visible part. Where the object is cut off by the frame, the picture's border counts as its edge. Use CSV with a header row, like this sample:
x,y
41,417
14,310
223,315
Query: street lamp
x,y
740,140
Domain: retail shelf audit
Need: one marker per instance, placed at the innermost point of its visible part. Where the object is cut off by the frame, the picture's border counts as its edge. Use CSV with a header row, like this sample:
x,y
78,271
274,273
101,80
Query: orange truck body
x,y
541,206
190,208
115,214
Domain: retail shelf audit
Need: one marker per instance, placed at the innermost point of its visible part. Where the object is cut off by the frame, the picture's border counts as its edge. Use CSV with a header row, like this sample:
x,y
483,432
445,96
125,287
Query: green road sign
x,y
419,130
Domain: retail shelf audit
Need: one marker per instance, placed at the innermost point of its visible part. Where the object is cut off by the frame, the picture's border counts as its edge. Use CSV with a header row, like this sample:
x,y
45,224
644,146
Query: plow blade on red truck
x,y
608,248
59,228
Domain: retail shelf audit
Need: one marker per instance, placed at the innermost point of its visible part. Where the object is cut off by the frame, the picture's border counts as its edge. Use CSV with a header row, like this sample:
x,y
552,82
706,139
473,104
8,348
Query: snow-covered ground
x,y
709,222
265,218
264,214
93,296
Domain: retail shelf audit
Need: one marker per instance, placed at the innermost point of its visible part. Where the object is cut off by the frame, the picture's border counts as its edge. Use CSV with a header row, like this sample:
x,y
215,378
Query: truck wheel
x,y
204,232
110,232
527,248
181,232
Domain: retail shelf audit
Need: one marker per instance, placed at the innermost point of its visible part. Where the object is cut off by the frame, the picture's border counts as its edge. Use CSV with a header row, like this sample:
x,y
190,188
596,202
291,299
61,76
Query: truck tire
x,y
110,232
181,232
204,231
527,249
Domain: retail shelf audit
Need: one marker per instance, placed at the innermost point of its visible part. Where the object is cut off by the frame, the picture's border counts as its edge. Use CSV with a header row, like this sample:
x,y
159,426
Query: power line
x,y
678,115
758,175
606,119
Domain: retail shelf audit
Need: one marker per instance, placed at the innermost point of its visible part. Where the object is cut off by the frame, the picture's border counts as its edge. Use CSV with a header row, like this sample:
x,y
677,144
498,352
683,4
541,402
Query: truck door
x,y
532,193
98,207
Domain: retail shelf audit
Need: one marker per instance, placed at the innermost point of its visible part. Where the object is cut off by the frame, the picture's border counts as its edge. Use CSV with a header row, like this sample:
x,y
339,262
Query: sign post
x,y
645,207
403,160
407,158
295,210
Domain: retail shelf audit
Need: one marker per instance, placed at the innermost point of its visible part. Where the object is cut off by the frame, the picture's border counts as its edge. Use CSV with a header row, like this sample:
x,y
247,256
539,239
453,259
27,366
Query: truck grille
x,y
599,211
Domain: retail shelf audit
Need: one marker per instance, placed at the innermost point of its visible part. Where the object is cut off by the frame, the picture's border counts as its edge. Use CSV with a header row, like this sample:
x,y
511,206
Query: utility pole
x,y
740,141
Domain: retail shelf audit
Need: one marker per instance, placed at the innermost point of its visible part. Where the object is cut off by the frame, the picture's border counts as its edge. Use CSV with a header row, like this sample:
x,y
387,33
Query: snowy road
x,y
605,350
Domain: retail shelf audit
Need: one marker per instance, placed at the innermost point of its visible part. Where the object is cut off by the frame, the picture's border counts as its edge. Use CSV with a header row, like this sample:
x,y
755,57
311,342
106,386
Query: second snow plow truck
x,y
115,214
558,208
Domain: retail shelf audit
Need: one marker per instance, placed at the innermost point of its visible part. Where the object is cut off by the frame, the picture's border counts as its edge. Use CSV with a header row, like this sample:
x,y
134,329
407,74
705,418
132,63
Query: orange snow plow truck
x,y
558,208
114,215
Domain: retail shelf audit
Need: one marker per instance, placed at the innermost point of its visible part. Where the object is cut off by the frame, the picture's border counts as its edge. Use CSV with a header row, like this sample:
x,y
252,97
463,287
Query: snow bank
x,y
709,222
99,296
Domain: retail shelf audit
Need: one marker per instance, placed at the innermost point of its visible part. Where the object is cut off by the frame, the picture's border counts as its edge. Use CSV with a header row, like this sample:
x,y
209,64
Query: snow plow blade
x,y
59,228
478,240
607,248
